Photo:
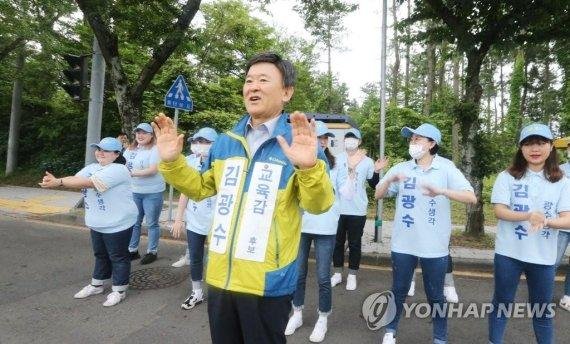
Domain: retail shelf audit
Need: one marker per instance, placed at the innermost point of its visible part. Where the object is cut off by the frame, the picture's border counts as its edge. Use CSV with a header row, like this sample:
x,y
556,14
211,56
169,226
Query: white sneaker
x,y
196,298
450,294
295,321
565,302
351,282
114,298
318,334
88,291
183,261
389,338
336,279
412,289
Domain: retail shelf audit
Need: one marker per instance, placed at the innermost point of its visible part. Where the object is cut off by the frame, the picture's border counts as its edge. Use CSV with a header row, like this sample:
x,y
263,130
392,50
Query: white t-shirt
x,y
109,207
140,159
422,224
199,215
533,192
364,170
327,223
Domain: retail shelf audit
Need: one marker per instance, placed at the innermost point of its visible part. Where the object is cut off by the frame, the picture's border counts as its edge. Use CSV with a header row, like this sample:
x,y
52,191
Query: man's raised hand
x,y
303,149
168,142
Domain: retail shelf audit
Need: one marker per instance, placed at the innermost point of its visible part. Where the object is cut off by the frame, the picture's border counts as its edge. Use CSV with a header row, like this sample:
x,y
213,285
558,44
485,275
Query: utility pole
x,y
96,90
379,205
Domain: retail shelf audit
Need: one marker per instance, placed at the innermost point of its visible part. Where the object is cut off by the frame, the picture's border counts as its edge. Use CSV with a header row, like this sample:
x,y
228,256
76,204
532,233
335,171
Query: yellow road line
x,y
34,205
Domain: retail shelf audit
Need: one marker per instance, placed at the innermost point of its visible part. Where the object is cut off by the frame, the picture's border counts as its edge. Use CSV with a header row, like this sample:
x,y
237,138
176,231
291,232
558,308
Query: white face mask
x,y
350,143
194,148
416,151
200,149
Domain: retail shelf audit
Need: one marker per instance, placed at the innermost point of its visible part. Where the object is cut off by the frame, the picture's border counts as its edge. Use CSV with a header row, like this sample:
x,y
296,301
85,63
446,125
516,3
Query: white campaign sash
x,y
227,197
258,212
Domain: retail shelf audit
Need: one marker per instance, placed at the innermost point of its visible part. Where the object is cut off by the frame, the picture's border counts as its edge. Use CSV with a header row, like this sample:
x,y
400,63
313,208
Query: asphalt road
x,y
43,265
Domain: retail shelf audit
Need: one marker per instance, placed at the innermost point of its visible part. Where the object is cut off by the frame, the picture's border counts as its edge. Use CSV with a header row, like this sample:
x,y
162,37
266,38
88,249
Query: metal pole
x,y
97,87
171,189
379,205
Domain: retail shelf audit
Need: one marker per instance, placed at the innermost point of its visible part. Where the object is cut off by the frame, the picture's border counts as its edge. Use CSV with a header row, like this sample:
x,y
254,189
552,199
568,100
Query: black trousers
x,y
244,318
353,227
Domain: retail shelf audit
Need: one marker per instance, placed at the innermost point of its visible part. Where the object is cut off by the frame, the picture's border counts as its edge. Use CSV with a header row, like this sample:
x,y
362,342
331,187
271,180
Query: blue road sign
x,y
178,96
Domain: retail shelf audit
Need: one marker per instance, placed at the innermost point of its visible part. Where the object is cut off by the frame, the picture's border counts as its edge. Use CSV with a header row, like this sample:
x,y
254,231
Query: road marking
x,y
33,205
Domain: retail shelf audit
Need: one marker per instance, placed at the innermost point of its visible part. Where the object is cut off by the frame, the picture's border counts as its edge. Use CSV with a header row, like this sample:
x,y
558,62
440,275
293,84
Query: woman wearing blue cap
x,y
198,216
353,205
110,214
424,187
148,187
531,200
321,230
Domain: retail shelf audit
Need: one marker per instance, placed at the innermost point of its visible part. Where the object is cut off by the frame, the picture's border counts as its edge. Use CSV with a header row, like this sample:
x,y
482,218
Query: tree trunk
x,y
129,95
455,128
441,71
407,71
469,132
8,48
488,110
396,67
496,123
15,115
547,98
502,85
524,95
430,81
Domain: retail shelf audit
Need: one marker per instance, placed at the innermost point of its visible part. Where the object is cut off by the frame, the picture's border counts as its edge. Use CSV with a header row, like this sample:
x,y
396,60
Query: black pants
x,y
243,318
353,227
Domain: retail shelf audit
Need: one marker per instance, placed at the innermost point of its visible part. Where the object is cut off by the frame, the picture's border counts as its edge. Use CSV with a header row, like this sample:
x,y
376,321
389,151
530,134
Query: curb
x,y
384,260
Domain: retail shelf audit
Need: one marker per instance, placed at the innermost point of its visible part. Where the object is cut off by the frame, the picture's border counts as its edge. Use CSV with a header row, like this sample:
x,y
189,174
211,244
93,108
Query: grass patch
x,y
22,177
483,242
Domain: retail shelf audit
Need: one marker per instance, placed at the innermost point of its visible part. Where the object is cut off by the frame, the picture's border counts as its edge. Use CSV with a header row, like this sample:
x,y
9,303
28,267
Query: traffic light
x,y
76,76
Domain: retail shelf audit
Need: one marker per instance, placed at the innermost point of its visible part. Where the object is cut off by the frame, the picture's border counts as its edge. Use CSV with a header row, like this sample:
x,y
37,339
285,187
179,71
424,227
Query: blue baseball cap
x,y
536,129
205,133
425,130
322,129
144,127
353,131
108,144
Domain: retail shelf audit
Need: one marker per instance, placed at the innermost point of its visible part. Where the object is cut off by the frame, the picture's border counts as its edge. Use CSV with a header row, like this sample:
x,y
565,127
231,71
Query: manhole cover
x,y
156,278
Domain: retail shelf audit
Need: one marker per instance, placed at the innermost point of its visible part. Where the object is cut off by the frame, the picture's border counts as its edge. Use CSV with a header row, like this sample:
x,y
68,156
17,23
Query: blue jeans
x,y
196,247
540,282
563,241
433,272
112,258
324,245
149,205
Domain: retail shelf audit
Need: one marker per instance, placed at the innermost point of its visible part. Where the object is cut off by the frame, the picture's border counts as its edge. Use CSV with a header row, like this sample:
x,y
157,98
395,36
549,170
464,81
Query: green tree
x,y
323,19
562,52
475,27
158,28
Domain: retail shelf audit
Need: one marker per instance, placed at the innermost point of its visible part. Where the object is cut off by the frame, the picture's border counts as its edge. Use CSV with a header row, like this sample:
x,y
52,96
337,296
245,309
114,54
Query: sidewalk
x,y
64,207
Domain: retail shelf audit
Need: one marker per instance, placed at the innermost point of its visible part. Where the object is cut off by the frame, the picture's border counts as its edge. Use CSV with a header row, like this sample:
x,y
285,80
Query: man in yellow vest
x,y
263,172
